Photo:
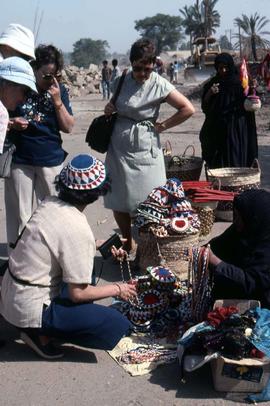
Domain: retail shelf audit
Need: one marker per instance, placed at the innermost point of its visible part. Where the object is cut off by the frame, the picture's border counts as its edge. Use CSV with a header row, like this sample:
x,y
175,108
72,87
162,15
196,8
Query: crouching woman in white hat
x,y
56,246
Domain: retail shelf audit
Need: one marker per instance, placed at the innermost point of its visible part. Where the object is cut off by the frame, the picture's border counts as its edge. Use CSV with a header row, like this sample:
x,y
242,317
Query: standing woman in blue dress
x,y
35,131
135,160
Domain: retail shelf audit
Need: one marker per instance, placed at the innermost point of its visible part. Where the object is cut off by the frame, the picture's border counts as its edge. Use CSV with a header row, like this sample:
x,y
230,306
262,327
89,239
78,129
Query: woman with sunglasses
x,y
35,131
135,160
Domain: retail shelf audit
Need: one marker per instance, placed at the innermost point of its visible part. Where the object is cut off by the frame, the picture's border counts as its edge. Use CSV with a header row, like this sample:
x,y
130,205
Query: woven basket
x,y
206,213
154,251
184,167
234,180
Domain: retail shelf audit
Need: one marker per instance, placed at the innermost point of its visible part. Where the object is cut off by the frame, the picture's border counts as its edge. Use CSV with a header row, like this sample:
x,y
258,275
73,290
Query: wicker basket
x,y
234,180
154,251
184,167
206,213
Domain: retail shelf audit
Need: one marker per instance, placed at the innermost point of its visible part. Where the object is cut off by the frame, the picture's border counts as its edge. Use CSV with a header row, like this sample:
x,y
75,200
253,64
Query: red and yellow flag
x,y
244,76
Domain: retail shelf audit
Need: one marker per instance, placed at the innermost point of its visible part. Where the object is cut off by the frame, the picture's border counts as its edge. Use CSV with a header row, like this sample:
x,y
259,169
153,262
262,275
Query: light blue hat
x,y
19,71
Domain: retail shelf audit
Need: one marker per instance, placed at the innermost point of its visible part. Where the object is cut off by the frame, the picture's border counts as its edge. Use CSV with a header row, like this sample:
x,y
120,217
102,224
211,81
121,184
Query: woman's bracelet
x,y
119,287
58,106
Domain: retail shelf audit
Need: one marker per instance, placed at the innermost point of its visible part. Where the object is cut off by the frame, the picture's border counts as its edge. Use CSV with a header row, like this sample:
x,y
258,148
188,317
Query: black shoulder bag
x,y
100,131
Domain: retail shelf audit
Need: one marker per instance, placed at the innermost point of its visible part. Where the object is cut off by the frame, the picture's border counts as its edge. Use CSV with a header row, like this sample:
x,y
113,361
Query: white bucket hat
x,y
20,38
19,71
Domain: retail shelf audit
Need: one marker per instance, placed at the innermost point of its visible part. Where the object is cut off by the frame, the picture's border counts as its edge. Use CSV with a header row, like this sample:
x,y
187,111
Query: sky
x,y
66,21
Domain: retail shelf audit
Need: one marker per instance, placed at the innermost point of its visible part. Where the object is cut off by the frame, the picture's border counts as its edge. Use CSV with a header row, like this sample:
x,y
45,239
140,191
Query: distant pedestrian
x,y
106,73
175,72
171,72
116,72
159,67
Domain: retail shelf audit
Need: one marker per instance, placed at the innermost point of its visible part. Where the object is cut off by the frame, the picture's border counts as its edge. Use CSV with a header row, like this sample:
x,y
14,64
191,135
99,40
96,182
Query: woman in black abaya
x,y
228,136
240,257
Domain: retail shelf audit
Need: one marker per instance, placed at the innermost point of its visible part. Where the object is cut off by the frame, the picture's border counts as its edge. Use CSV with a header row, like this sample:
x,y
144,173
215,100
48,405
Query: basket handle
x,y
168,147
167,150
256,165
189,146
216,182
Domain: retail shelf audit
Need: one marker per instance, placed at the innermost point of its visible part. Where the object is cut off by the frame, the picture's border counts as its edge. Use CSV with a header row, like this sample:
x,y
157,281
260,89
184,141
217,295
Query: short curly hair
x,y
46,54
80,197
143,50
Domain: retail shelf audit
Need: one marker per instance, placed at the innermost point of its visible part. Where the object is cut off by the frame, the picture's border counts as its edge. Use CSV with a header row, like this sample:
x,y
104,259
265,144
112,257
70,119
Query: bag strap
x,y
118,89
27,283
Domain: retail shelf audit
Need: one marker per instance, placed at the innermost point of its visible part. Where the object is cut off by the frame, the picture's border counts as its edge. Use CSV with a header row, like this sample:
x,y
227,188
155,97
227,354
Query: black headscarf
x,y
250,247
254,208
232,73
230,98
245,270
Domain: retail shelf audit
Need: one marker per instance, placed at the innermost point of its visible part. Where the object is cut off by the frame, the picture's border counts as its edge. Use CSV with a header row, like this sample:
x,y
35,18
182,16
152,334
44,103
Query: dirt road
x,y
86,377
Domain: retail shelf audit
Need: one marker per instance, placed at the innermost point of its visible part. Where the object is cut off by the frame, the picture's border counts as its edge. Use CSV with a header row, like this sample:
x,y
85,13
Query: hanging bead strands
x,y
199,280
134,302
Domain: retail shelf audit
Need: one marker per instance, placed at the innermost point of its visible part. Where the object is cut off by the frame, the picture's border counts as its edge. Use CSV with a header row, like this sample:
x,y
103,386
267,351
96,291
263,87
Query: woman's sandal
x,y
47,351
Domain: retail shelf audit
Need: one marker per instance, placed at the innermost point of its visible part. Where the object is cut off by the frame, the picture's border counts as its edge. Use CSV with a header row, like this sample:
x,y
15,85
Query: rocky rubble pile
x,y
81,81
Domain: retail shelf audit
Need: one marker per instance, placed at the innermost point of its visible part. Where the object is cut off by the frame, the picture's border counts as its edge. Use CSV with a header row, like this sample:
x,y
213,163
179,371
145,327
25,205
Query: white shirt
x,y
4,118
57,246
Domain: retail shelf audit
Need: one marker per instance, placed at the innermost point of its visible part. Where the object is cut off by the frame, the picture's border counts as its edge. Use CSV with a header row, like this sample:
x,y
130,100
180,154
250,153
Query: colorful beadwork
x,y
162,275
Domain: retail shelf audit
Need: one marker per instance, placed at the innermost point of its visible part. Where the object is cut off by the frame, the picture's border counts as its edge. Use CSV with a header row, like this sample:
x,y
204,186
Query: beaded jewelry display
x,y
148,354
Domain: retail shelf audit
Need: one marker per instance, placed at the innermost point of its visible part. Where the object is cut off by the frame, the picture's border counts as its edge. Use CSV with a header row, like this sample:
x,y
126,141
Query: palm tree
x,y
211,17
188,23
253,38
201,19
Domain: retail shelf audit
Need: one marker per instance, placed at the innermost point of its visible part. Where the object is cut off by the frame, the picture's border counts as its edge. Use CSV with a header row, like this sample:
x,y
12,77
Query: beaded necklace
x,y
148,354
134,302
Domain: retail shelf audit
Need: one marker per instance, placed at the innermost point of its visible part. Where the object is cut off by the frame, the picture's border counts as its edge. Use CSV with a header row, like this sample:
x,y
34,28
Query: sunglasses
x,y
50,76
138,69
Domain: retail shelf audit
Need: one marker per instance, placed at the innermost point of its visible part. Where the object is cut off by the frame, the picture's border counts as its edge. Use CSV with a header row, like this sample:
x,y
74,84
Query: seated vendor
x,y
47,291
240,257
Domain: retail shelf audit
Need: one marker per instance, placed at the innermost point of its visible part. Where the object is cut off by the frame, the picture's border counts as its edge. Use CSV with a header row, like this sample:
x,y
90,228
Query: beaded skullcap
x,y
84,172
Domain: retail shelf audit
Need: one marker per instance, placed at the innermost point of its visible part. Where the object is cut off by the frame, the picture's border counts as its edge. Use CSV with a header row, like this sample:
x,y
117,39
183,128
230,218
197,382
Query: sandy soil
x,y
86,377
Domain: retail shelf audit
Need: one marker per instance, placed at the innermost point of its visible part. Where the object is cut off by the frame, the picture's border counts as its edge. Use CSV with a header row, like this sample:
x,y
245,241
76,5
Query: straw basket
x,y
234,180
206,213
184,167
154,251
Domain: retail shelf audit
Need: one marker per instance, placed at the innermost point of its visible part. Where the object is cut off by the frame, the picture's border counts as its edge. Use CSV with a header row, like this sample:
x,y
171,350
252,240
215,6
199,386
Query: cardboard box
x,y
245,375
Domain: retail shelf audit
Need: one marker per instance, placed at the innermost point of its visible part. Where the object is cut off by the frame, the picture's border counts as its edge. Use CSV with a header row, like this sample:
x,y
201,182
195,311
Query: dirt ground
x,y
86,377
